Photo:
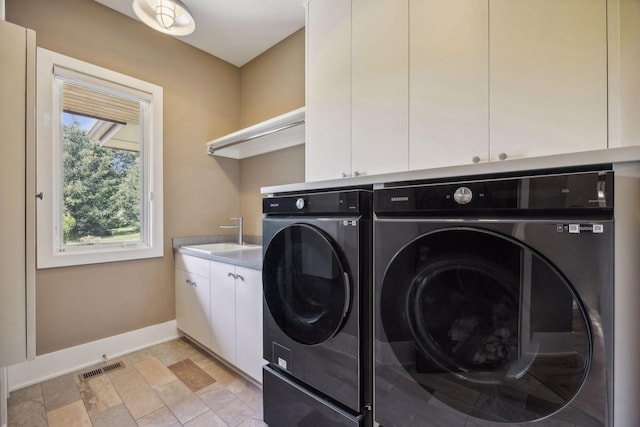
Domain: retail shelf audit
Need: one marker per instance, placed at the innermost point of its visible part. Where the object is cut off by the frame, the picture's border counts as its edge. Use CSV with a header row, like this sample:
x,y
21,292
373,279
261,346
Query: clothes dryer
x,y
494,301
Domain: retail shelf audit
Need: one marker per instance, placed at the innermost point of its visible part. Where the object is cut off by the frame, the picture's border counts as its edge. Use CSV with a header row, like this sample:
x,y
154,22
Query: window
x,y
99,164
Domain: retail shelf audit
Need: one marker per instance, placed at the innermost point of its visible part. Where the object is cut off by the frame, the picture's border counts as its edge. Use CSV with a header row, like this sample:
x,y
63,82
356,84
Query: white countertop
x,y
612,155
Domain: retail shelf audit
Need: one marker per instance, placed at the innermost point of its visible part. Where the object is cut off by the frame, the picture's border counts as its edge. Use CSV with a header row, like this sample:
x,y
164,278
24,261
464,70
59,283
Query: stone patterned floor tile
x,y
191,374
160,418
27,413
135,392
216,396
208,419
184,403
168,353
252,396
219,372
139,356
71,415
252,422
116,416
171,384
155,373
98,394
235,412
32,392
60,391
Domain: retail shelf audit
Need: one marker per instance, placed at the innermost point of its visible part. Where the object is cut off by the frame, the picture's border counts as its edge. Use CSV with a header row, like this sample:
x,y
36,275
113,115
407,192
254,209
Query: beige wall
x,y
271,84
76,305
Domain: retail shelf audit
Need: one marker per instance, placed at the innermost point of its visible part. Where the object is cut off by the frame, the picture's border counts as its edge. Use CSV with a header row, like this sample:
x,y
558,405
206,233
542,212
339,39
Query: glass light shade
x,y
167,16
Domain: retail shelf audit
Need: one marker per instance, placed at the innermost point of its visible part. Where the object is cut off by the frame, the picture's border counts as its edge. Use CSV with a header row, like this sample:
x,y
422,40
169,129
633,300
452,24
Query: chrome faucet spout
x,y
238,226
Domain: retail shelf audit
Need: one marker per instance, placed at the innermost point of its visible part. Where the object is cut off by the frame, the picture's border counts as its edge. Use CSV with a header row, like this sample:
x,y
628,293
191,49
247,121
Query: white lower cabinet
x,y
225,315
193,296
249,321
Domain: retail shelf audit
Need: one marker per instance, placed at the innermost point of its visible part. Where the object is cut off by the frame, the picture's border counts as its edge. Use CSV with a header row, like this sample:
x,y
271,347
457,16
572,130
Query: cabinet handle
x,y
502,156
475,159
239,277
194,283
356,173
230,274
188,281
344,175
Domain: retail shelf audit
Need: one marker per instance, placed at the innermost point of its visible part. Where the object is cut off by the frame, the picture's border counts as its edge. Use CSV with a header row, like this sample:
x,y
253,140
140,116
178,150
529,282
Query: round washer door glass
x,y
305,284
486,325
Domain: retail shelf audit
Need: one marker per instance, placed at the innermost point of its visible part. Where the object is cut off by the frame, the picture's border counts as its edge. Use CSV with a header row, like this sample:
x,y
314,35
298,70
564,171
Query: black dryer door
x,y
305,283
484,323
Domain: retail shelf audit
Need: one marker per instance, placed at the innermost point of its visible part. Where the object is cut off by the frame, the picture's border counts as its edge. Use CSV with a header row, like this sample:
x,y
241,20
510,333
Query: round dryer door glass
x,y
496,331
305,284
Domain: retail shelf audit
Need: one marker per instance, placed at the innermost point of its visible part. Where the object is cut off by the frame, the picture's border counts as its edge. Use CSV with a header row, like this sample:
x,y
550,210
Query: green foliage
x,y
101,187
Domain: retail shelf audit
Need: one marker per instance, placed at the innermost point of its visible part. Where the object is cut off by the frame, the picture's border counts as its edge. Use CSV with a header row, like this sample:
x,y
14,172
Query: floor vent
x,y
99,371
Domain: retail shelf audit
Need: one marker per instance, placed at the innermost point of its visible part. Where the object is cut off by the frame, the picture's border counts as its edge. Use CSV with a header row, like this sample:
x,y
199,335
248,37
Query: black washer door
x,y
305,284
497,332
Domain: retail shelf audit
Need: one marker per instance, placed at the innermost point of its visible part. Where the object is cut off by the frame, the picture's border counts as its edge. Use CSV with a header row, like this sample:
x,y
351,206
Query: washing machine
x,y
494,301
318,309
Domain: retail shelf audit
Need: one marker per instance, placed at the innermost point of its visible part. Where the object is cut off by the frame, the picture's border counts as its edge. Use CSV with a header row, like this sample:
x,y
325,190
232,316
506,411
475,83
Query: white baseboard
x,y
71,359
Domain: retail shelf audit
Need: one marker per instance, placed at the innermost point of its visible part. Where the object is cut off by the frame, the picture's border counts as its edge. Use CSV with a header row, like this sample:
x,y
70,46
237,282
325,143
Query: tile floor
x,y
170,384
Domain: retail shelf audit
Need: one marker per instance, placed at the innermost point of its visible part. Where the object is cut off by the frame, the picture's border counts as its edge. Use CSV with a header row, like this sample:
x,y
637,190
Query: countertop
x,y
611,155
249,258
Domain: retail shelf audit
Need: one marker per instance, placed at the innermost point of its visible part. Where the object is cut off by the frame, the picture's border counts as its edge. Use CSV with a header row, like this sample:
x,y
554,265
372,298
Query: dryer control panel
x,y
570,193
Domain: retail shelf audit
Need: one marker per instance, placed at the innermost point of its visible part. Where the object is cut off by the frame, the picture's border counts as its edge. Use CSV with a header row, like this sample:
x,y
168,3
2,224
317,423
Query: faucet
x,y
238,226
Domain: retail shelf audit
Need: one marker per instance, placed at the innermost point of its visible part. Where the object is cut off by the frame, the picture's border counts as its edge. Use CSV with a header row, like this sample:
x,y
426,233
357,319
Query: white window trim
x,y
48,123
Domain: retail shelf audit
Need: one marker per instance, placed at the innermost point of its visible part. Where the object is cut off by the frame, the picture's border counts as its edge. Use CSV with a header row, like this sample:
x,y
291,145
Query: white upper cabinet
x,y
448,83
380,105
548,77
396,85
328,90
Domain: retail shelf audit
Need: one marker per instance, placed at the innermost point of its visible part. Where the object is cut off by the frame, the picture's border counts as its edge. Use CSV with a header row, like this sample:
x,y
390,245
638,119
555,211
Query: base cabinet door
x,y
192,305
223,310
249,321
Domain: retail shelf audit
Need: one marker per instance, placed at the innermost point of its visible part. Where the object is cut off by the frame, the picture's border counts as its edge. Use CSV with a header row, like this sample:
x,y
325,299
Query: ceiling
x,y
235,30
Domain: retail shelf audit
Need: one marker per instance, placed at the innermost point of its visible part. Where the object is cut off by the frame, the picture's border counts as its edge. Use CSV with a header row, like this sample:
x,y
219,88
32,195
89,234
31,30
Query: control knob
x,y
463,195
300,203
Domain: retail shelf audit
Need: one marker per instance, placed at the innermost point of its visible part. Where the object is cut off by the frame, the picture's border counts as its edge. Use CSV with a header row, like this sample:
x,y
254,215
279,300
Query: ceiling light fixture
x,y
167,16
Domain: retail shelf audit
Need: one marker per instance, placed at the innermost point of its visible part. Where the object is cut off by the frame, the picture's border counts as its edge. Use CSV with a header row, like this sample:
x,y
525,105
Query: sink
x,y
220,247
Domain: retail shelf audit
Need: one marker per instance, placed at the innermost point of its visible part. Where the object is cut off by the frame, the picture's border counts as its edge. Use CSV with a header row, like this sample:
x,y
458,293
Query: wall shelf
x,y
274,134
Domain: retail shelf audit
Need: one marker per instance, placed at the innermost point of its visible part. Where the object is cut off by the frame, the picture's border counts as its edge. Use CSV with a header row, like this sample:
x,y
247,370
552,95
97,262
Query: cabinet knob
x,y
188,282
356,173
475,159
344,175
502,156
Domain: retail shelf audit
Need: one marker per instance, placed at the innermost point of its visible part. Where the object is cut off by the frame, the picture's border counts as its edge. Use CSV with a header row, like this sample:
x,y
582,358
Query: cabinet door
x,y
380,66
249,321
223,310
192,305
328,91
448,82
548,78
17,271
